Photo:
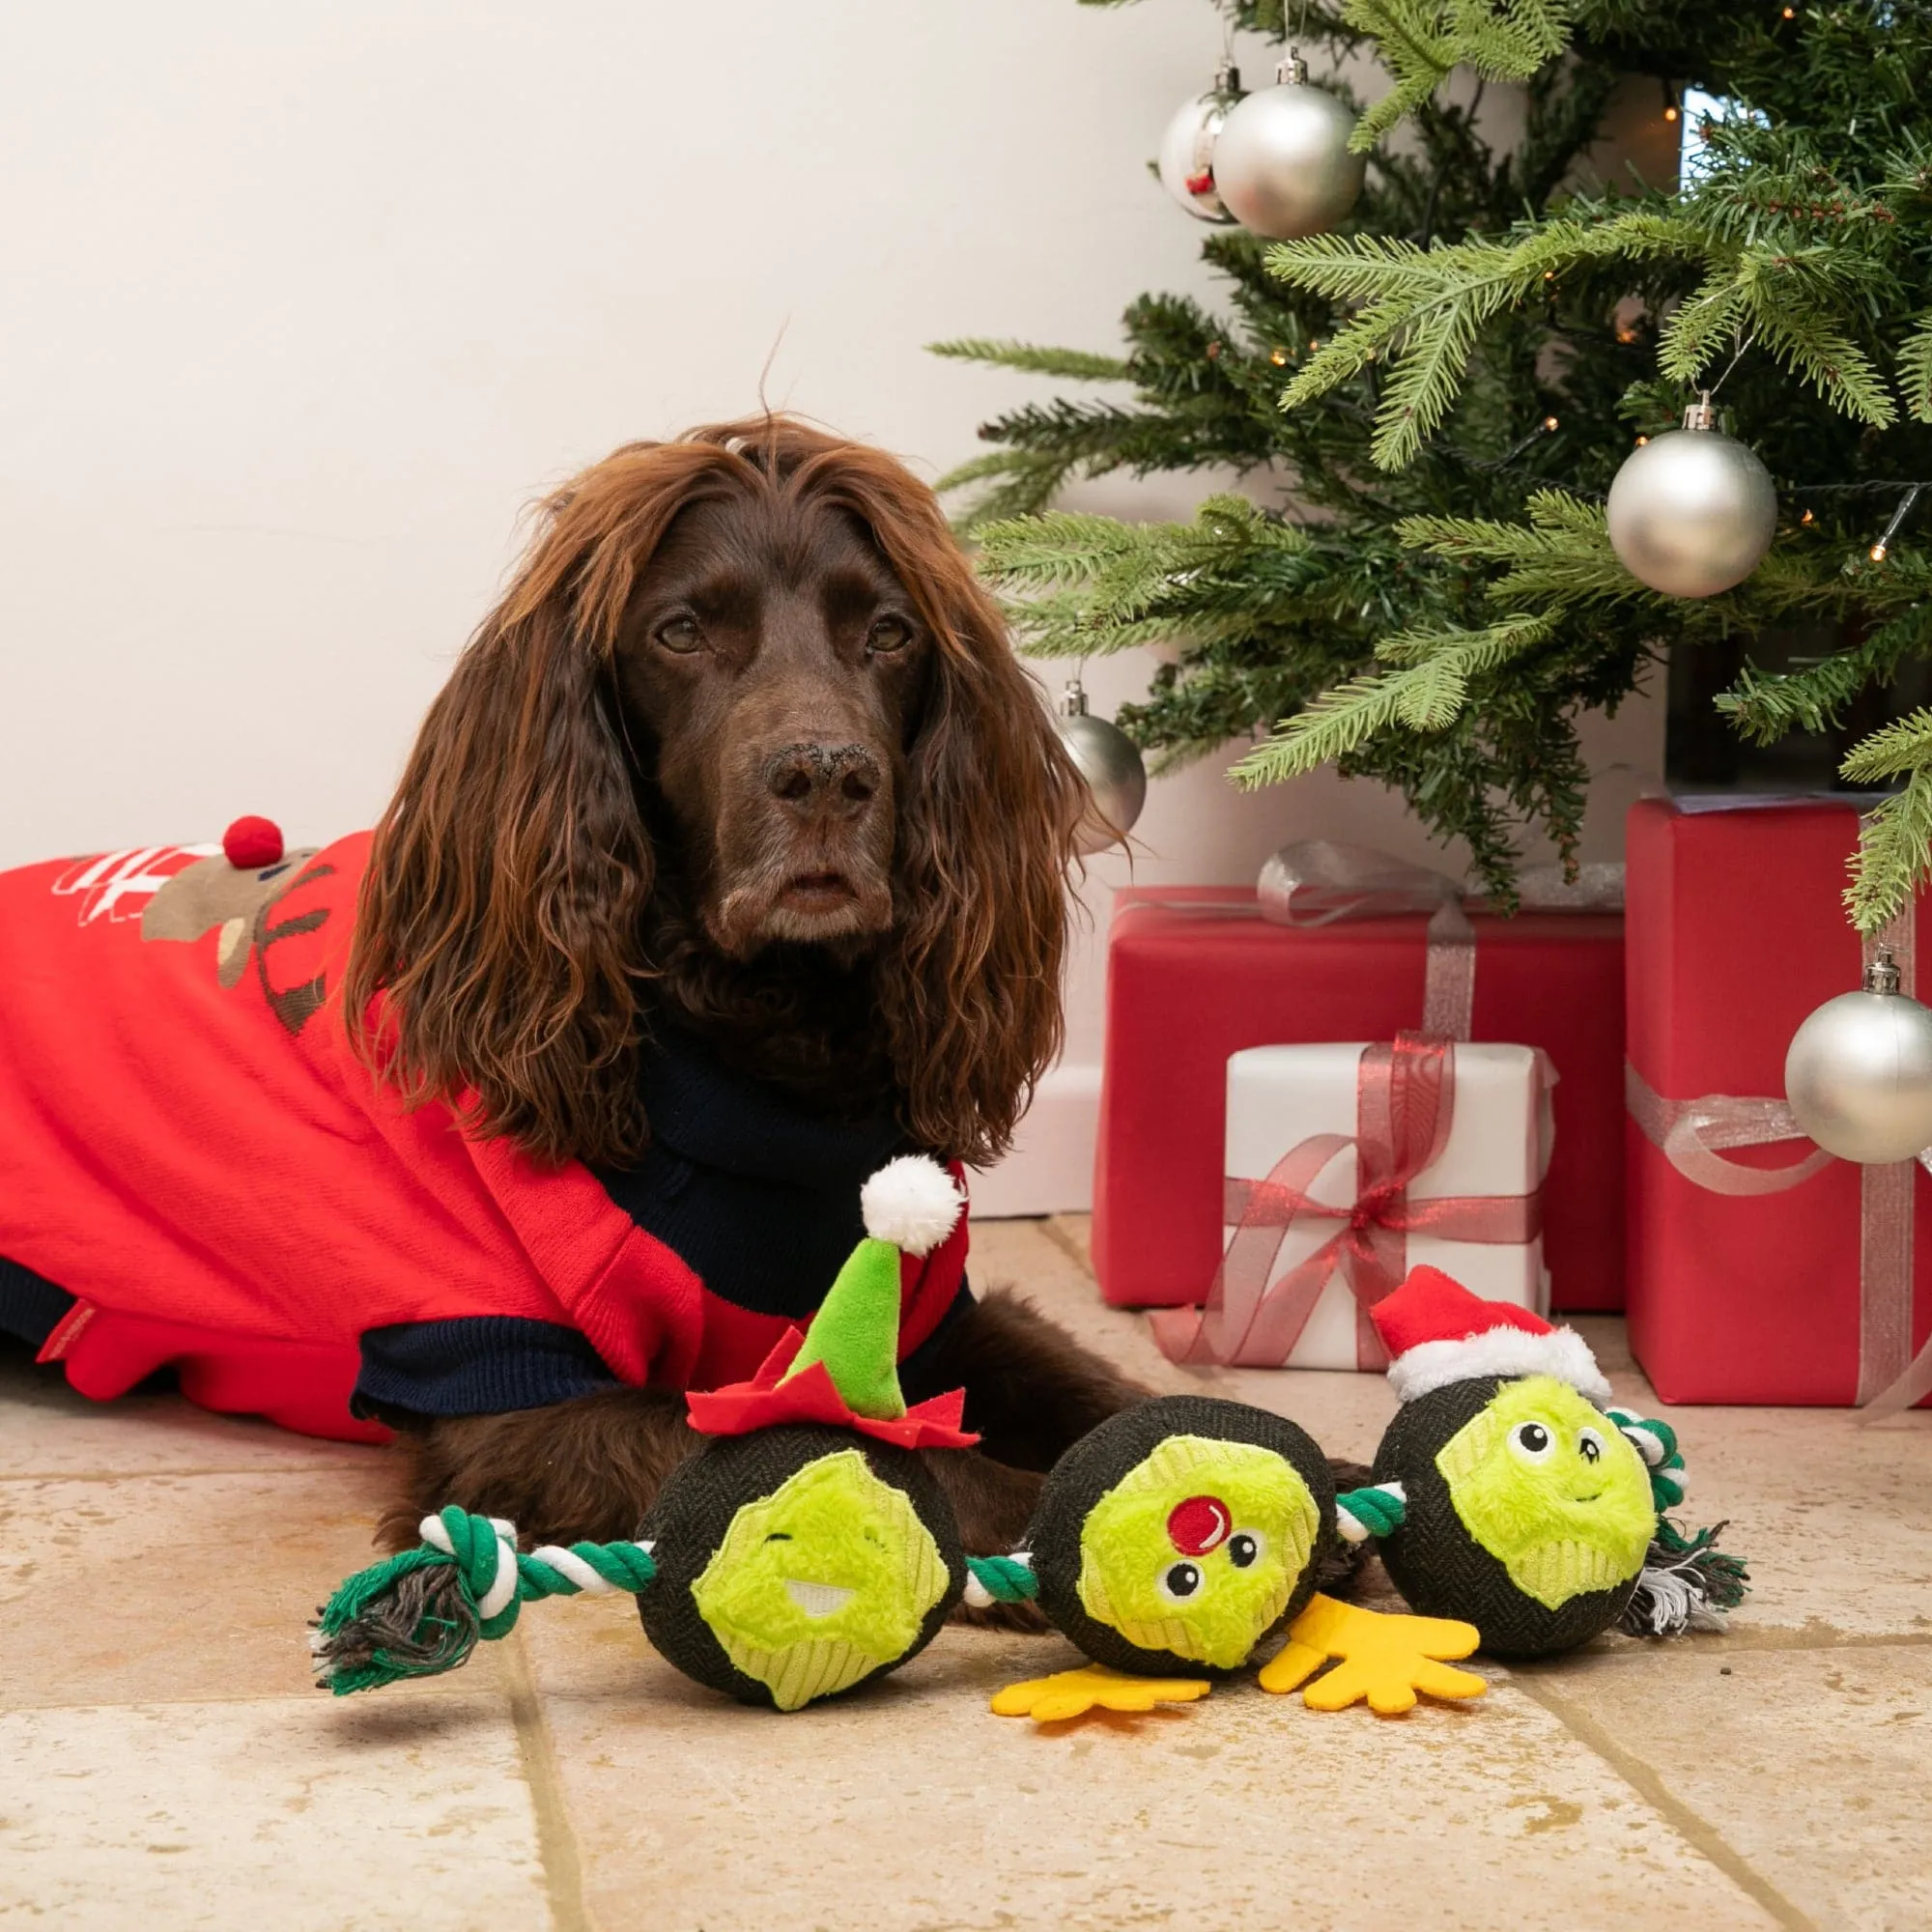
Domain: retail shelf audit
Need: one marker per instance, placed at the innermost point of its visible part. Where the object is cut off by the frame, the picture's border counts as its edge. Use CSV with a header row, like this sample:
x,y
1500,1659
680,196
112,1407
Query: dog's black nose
x,y
823,780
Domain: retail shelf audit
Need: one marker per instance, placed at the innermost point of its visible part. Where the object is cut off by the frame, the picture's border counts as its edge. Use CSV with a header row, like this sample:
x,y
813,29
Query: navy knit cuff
x,y
475,1365
30,1306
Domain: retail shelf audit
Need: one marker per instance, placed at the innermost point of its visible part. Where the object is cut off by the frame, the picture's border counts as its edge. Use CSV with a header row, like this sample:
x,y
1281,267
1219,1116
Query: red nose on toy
x,y
1198,1525
250,843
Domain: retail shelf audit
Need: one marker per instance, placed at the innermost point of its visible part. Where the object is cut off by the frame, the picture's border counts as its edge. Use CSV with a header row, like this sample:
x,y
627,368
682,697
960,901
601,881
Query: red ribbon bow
x,y
1405,1103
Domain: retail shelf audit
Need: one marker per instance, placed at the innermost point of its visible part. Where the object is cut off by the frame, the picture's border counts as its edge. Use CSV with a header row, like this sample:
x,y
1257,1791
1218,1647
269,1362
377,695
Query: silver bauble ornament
x,y
1110,761
1693,512
1281,163
1187,163
1858,1072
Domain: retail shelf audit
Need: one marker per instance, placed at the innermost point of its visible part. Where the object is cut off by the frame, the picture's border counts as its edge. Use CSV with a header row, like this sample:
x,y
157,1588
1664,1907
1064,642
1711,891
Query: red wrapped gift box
x,y
1195,974
1736,931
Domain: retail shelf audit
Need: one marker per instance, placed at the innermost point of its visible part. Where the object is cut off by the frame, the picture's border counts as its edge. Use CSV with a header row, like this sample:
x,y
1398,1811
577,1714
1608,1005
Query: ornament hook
x,y
1882,975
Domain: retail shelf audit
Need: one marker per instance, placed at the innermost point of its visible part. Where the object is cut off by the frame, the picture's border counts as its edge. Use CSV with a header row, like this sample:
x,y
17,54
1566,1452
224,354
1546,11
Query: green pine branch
x,y
1077,365
1815,697
1915,370
1894,854
1425,696
1437,300
1423,43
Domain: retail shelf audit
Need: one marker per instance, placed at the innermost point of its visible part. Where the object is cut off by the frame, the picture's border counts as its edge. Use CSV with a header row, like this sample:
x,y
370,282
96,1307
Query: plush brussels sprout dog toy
x,y
1174,1540
1509,1491
802,1551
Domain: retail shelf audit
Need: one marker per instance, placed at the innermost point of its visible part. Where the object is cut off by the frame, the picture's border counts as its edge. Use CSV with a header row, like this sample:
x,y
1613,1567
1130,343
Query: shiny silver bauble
x,y
1282,164
1111,763
1693,511
1186,161
1858,1072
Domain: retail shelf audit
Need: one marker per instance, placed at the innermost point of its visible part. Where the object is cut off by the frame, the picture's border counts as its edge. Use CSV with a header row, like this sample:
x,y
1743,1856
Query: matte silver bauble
x,y
1110,761
1281,163
1858,1072
1693,512
1187,163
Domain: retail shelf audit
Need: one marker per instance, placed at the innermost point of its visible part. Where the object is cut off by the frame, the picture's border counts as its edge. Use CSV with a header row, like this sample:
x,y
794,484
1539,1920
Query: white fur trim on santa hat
x,y
911,1201
1562,1352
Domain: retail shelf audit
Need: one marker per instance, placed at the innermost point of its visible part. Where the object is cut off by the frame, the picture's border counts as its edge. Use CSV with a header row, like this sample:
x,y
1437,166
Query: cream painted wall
x,y
303,301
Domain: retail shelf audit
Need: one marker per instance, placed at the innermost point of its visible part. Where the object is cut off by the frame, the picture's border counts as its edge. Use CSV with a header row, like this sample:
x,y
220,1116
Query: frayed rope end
x,y
1687,1583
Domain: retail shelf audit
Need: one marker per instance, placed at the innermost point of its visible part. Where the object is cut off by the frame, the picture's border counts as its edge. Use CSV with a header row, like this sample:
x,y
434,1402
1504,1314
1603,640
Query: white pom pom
x,y
911,1201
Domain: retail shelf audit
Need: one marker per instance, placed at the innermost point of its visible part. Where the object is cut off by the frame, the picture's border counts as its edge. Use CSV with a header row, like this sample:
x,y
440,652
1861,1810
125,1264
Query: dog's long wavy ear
x,y
501,916
971,993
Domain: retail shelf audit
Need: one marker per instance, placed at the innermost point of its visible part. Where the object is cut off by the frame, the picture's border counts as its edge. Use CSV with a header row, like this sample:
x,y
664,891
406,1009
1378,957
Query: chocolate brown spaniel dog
x,y
729,863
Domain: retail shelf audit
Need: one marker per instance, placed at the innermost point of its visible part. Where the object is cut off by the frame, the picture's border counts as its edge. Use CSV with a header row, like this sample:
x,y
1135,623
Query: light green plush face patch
x,y
820,1582
1198,1548
1550,1487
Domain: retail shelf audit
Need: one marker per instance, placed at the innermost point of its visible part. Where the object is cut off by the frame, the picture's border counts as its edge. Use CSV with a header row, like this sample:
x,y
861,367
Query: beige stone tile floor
x,y
165,1763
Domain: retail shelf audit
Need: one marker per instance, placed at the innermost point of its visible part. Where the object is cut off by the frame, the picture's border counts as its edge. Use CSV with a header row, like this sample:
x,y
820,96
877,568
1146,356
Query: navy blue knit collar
x,y
719,1118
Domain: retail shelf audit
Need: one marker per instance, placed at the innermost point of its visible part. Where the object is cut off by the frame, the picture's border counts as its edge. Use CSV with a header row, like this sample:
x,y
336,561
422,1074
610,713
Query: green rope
x,y
1375,1510
1004,1578
1666,1486
420,1613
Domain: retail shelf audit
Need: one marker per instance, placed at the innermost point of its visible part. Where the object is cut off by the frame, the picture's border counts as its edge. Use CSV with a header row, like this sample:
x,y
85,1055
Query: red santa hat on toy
x,y
1437,1332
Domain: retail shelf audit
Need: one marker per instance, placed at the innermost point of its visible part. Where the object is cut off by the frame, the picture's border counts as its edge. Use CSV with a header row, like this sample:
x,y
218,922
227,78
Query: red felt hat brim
x,y
770,1400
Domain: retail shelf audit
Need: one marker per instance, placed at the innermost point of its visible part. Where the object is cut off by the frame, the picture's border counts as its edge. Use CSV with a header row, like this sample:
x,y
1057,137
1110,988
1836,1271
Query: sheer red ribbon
x,y
1405,1104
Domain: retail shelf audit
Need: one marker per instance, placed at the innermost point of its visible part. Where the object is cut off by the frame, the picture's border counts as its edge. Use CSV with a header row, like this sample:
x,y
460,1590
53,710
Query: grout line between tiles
x,y
557,1840
470,1694
1647,1782
1767,1637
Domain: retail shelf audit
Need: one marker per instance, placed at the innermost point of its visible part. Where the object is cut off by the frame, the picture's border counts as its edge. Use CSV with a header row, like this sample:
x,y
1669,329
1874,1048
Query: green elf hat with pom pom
x,y
843,1369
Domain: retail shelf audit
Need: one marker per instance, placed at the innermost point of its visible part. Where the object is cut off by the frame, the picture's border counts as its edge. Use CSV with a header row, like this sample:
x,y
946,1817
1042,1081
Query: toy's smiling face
x,y
1198,1548
822,1581
1550,1487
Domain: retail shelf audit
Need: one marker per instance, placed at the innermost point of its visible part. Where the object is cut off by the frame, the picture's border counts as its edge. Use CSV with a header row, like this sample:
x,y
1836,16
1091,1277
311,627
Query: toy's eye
x,y
779,1536
1532,1441
1179,1580
1589,1445
1244,1548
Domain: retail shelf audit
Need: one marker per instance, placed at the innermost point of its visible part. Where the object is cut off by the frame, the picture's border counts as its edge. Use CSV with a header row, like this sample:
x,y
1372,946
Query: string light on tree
x,y
1111,763
1693,511
1878,551
1186,161
1282,165
1858,1072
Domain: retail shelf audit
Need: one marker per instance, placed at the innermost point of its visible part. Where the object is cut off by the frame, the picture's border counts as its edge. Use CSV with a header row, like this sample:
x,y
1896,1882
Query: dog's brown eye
x,y
889,634
680,634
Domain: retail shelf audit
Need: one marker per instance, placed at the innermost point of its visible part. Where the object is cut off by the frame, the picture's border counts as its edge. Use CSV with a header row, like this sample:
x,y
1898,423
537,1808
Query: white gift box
x,y
1499,1146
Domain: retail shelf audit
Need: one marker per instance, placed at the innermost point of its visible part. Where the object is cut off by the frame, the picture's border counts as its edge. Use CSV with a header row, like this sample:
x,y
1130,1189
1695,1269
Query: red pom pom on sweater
x,y
251,844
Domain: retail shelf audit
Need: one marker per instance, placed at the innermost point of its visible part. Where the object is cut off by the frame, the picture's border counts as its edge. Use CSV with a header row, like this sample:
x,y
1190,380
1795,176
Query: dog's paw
x,y
1026,1617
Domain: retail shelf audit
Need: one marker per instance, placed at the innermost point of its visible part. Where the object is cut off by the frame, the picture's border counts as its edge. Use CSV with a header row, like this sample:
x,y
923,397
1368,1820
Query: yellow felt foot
x,y
1384,1659
1071,1693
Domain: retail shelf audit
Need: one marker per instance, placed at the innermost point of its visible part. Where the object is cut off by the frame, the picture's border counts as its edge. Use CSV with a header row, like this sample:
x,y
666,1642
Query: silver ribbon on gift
x,y
1693,1136
1321,881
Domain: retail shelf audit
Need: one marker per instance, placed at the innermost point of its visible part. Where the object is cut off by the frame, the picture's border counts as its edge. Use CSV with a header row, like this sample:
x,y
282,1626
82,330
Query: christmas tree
x,y
1441,391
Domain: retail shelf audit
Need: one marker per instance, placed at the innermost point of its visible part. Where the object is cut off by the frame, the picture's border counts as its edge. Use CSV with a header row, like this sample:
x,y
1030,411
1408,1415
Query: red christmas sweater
x,y
189,1148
